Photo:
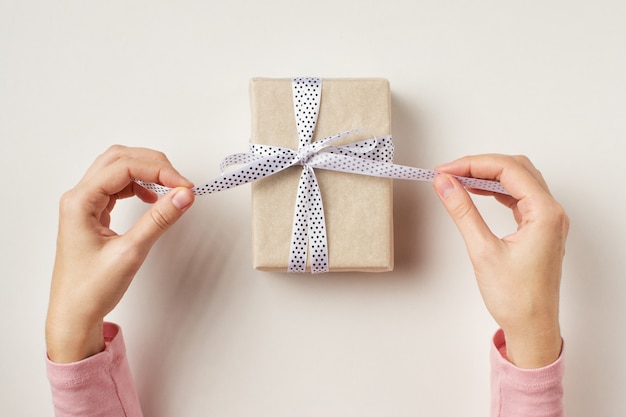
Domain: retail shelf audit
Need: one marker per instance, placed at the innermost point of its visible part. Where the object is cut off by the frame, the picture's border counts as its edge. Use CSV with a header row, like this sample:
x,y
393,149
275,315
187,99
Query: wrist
x,y
533,348
67,342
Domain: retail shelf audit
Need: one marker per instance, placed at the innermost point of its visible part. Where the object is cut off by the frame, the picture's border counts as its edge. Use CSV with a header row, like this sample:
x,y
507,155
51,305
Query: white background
x,y
209,336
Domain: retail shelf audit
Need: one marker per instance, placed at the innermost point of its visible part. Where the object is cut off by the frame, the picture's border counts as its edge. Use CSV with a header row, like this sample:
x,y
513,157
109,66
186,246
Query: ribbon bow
x,y
373,157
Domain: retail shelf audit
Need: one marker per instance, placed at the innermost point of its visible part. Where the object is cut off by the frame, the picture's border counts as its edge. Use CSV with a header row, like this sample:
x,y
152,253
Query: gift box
x,y
358,209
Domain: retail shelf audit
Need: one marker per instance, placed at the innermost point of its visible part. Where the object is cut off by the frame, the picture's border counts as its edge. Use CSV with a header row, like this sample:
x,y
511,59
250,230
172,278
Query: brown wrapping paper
x,y
358,208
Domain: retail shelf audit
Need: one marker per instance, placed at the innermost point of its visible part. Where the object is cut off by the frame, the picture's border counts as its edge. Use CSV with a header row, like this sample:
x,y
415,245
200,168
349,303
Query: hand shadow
x,y
179,291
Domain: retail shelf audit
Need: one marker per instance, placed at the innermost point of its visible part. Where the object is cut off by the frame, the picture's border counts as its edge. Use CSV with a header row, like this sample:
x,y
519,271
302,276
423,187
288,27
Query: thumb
x,y
161,216
462,210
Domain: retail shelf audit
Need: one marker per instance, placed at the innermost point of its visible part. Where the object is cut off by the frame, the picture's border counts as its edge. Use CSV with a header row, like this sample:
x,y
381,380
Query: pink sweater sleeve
x,y
98,386
517,392
102,385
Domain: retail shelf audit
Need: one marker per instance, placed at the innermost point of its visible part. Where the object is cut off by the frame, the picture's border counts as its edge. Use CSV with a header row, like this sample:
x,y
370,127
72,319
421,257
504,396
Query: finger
x,y
117,152
504,199
463,212
525,162
105,218
509,171
144,194
134,189
97,194
116,177
161,216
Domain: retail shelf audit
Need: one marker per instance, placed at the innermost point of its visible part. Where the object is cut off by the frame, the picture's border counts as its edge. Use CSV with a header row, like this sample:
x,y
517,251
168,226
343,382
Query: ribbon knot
x,y
304,154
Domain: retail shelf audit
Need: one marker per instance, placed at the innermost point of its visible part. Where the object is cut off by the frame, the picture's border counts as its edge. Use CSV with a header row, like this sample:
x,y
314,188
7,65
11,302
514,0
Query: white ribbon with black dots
x,y
373,157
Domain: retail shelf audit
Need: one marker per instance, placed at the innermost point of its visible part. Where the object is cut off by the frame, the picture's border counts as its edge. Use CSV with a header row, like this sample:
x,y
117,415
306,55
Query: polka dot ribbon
x,y
373,157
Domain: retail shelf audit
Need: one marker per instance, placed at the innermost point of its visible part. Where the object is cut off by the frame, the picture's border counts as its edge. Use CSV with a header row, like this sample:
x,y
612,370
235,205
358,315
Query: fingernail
x,y
182,199
444,186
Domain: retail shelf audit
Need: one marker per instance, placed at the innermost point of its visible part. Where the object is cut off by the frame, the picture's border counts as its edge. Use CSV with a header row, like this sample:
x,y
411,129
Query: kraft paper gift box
x,y
358,208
